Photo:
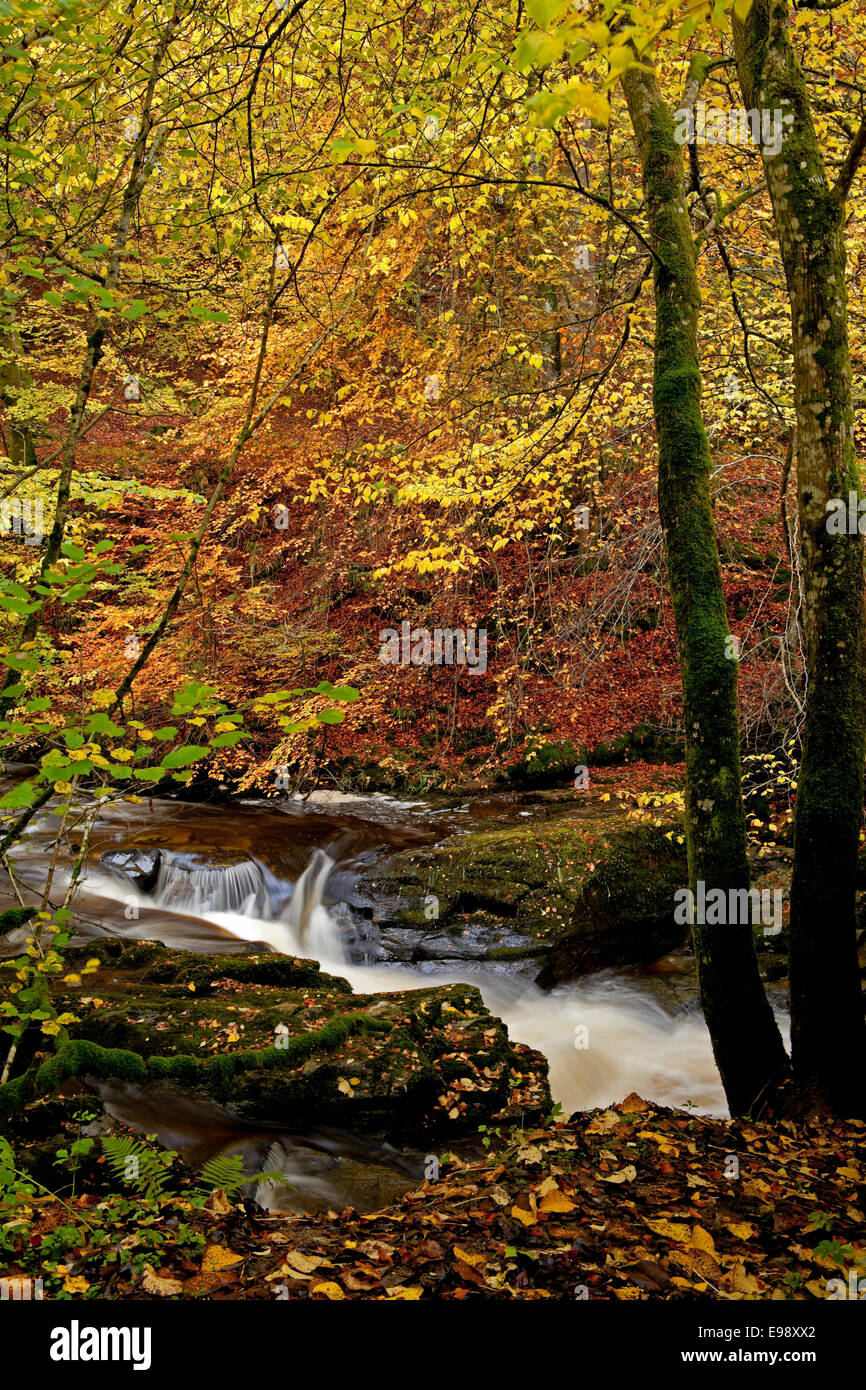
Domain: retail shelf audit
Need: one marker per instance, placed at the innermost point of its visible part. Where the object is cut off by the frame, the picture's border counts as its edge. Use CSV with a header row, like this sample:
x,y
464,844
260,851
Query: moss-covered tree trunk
x,y
828,1035
746,1041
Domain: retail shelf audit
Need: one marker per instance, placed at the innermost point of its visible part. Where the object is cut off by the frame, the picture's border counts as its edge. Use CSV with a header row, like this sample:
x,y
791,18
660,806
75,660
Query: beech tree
x,y
746,1041
810,209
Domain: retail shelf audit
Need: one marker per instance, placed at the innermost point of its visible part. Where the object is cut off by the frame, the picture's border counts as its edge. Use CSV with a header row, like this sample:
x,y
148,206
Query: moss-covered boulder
x,y
566,897
273,1039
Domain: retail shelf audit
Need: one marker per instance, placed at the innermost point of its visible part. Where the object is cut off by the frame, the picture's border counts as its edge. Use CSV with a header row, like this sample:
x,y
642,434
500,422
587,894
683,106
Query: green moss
x,y
15,917
16,1093
80,1057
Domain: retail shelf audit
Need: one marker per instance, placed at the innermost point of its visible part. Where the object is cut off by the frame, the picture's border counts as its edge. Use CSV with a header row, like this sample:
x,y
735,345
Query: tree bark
x,y
746,1041
828,1033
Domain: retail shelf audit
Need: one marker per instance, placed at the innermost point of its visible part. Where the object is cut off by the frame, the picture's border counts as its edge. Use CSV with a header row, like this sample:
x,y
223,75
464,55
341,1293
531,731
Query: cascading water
x,y
603,1035
311,926
189,887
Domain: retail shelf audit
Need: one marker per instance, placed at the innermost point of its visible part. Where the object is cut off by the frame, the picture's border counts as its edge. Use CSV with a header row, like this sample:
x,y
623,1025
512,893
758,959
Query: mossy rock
x,y
15,917
571,895
274,1040
547,764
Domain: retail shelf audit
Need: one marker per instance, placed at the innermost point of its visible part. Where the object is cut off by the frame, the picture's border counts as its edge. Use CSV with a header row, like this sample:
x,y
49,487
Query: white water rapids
x,y
603,1035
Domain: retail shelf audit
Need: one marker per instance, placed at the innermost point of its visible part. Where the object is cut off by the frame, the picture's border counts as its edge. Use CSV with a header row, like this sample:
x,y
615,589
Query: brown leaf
x,y
626,1174
154,1283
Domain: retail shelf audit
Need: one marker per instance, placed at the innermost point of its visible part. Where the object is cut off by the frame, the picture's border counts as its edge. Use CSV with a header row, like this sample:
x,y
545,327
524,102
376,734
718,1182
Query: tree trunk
x,y
828,1034
746,1041
13,380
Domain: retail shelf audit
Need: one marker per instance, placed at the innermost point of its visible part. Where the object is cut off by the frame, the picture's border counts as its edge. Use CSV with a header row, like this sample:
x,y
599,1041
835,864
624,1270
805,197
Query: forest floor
x,y
634,1202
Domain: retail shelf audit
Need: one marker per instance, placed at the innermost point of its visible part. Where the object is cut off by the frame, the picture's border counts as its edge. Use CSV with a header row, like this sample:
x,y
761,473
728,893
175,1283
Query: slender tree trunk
x,y
828,1034
746,1041
13,380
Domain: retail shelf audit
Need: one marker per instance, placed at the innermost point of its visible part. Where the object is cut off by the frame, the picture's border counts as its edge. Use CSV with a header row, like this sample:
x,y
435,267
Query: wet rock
x,y
139,865
570,896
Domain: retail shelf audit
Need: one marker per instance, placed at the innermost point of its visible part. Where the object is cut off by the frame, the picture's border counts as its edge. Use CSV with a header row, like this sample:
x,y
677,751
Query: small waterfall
x,y
311,926
188,887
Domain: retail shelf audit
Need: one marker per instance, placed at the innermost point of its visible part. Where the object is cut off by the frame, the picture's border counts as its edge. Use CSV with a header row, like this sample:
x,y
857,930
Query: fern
x,y
226,1174
140,1165
135,1163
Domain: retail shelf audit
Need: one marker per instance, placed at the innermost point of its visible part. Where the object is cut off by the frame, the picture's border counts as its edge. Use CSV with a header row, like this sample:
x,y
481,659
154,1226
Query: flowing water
x,y
255,874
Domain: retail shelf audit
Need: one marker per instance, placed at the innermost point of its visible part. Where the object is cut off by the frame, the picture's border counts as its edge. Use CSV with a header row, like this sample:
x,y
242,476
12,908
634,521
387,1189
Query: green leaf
x,y
201,312
537,50
340,150
100,723
134,310
23,795
543,11
330,716
182,757
191,696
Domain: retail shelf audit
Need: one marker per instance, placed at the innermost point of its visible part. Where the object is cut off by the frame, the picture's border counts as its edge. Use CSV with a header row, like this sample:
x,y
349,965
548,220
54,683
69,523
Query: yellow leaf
x,y
556,1201
218,1257
671,1230
75,1283
526,1218
702,1240
464,1255
741,1229
332,1291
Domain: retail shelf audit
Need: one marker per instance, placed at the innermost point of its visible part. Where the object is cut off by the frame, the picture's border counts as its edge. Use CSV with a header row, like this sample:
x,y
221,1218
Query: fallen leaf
x,y
626,1174
556,1201
75,1283
154,1283
217,1257
634,1104
741,1229
467,1258
305,1264
527,1218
